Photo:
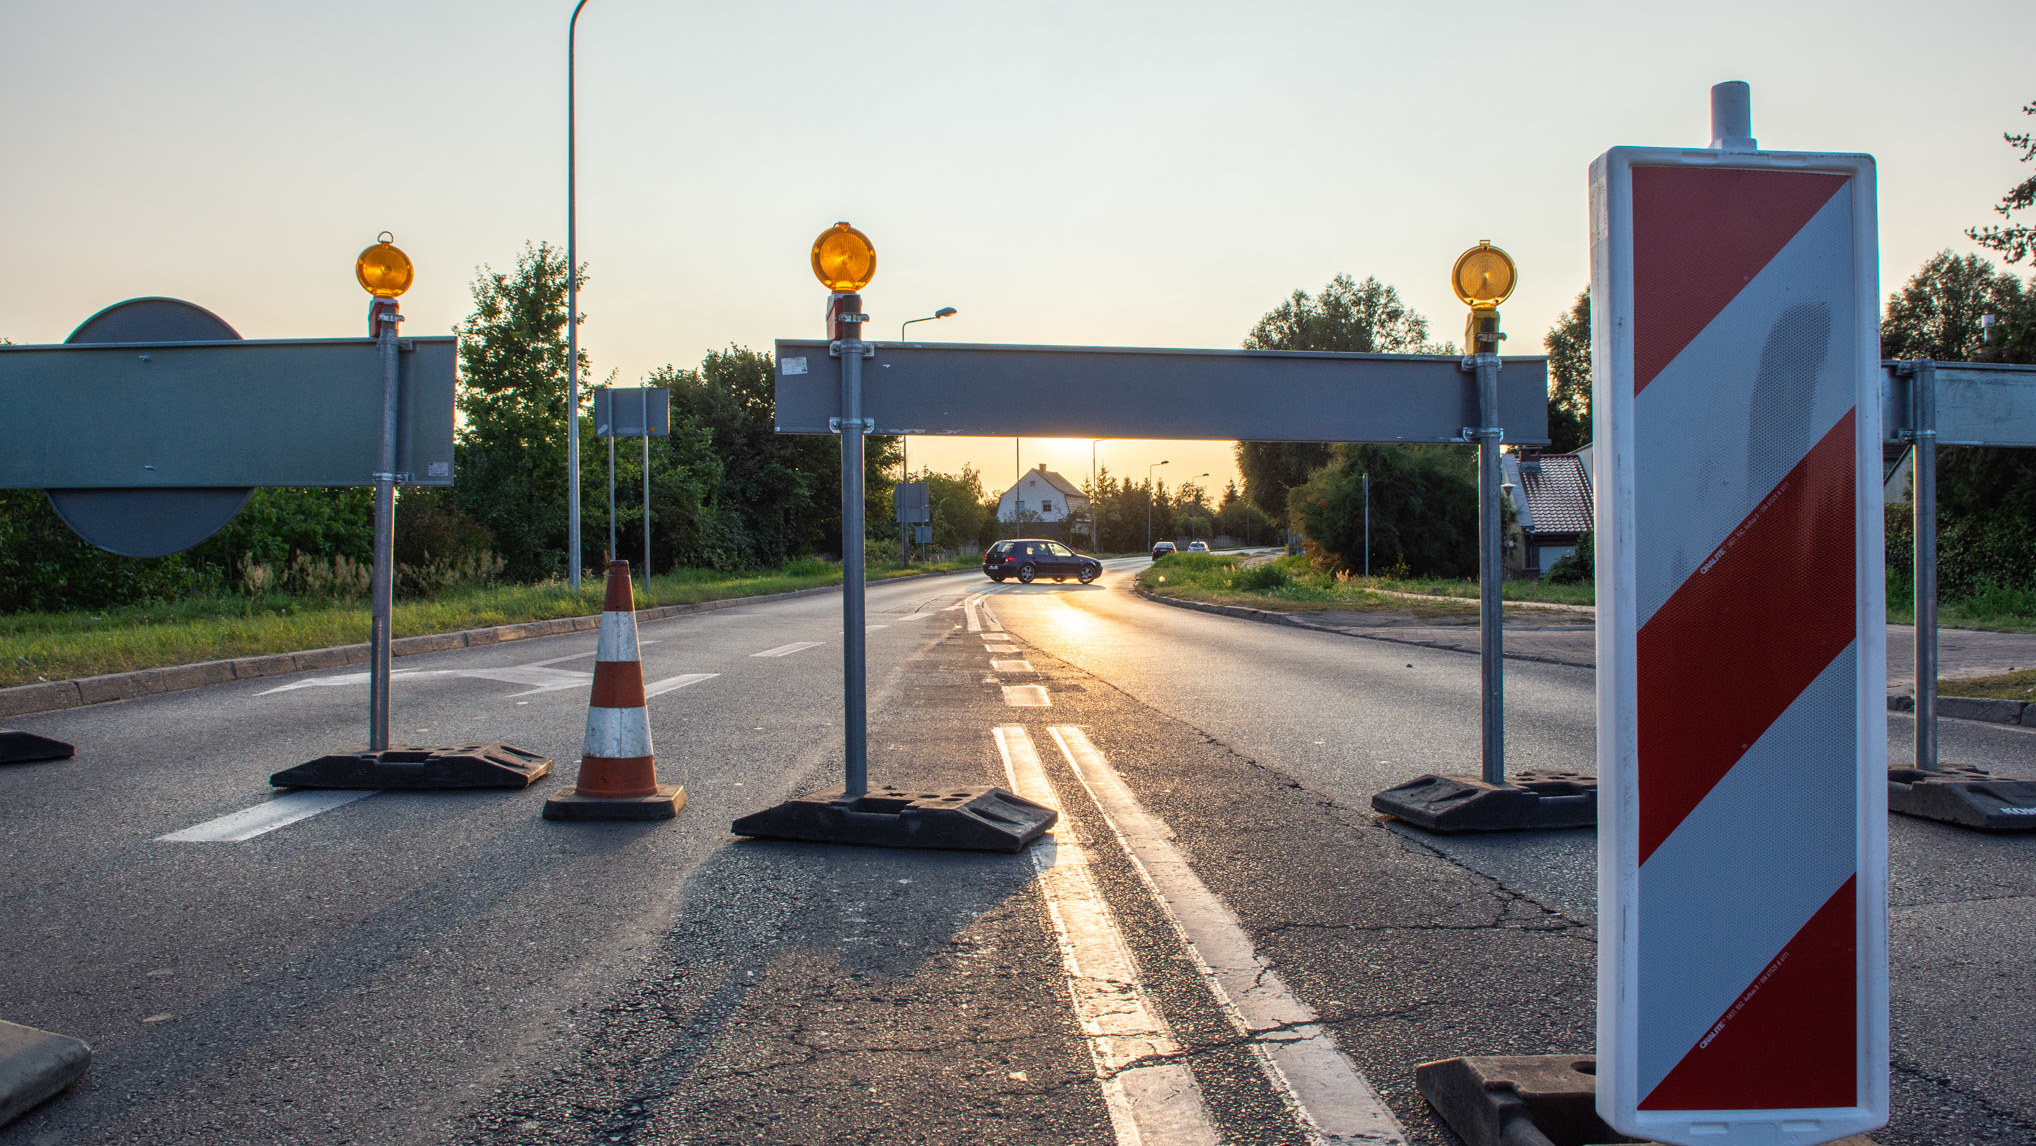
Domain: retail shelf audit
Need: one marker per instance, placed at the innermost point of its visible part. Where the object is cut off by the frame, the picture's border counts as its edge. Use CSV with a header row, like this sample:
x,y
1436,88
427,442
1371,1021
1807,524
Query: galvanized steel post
x,y
1491,570
1923,395
846,322
383,585
643,395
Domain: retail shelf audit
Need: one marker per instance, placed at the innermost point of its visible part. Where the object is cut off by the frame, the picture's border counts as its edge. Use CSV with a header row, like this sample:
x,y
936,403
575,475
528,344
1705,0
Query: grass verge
x,y
62,646
2017,685
1292,585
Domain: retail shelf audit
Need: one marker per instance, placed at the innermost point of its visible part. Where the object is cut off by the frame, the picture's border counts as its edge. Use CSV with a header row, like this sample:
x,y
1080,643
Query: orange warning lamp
x,y
844,260
383,270
1483,276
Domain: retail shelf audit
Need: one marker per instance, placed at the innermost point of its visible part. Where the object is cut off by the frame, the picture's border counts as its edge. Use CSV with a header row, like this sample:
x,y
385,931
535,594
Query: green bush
x,y
1264,576
1575,568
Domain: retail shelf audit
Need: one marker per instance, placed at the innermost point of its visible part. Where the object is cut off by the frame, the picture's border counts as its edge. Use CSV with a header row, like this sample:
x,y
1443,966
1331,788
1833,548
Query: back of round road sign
x,y
149,522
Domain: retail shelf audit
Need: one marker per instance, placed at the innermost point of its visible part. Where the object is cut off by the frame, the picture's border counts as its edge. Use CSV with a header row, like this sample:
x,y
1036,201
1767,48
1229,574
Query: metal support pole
x,y
383,585
855,712
1923,392
1367,523
611,493
644,397
1491,616
573,331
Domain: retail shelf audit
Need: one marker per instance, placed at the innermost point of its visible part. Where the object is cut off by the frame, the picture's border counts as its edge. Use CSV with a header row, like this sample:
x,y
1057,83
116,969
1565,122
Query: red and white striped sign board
x,y
1742,982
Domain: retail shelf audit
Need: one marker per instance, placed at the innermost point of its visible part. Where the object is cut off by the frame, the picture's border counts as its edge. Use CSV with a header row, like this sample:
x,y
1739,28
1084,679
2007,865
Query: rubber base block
x,y
18,747
976,819
34,1066
1526,1100
420,769
1968,797
1530,801
660,805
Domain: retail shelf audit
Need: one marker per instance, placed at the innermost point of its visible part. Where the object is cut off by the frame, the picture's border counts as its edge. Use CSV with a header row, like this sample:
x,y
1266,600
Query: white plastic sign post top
x,y
1742,970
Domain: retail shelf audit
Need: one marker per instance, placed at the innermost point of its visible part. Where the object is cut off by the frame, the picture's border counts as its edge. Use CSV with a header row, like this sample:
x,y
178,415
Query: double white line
x,y
1152,1097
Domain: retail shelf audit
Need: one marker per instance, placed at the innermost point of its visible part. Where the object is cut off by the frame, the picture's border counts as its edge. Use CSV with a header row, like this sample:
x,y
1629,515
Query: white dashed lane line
x,y
248,823
1011,666
1157,1104
1026,696
1329,1096
787,650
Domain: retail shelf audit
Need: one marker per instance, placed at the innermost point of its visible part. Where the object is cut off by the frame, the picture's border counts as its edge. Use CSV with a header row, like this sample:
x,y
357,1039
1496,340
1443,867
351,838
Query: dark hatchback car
x,y
1029,560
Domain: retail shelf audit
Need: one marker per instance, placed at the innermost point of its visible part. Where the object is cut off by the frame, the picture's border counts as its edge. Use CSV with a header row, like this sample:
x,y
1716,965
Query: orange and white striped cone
x,y
618,771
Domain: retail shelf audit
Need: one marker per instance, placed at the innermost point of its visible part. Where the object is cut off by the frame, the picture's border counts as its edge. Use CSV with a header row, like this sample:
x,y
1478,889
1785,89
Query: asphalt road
x,y
450,967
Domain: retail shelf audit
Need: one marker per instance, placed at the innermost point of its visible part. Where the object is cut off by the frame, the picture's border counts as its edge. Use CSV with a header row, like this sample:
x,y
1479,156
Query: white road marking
x,y
539,674
1330,1097
248,823
1154,1105
1026,696
786,650
1011,666
969,610
671,683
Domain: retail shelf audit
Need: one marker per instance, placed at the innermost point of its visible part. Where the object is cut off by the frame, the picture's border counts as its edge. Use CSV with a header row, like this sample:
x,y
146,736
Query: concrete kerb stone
x,y
1948,707
1300,621
57,695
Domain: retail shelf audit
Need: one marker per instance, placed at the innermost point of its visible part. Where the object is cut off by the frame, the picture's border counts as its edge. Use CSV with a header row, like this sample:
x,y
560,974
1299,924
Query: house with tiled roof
x,y
1551,493
1041,496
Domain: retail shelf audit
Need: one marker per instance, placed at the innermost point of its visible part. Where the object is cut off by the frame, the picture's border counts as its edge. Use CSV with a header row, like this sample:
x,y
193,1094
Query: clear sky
x,y
1123,173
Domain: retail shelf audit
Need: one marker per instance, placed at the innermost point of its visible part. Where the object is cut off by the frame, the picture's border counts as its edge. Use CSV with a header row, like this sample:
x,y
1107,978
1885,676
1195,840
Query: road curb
x,y
34,1066
58,695
2016,712
1299,621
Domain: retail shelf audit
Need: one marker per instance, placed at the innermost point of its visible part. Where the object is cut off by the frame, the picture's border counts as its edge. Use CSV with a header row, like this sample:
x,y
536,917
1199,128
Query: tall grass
x,y
59,646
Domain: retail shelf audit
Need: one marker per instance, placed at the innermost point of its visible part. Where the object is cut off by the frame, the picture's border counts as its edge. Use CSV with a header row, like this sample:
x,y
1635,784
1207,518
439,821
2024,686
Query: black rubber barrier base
x,y
1529,801
663,804
959,819
1518,1100
468,766
1527,1100
34,1066
18,747
1968,797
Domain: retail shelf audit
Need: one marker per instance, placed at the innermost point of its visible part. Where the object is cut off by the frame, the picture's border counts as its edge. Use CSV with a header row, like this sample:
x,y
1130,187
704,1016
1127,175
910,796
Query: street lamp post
x,y
1148,503
1094,542
905,440
573,327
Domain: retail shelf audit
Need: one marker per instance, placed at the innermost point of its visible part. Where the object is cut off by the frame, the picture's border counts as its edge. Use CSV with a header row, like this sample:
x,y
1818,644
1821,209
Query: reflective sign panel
x,y
1742,662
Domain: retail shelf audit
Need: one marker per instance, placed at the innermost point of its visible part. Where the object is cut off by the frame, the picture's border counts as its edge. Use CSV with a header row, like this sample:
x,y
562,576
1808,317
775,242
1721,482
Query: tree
x,y
2013,241
510,457
1424,505
1349,316
1569,377
780,493
1937,313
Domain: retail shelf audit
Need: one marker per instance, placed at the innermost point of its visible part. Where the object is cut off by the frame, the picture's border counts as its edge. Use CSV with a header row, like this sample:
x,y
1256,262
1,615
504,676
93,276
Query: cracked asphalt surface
x,y
448,967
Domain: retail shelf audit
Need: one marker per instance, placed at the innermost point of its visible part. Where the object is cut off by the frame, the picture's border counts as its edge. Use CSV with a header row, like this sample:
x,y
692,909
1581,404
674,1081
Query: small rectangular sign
x,y
258,412
1129,392
910,501
624,413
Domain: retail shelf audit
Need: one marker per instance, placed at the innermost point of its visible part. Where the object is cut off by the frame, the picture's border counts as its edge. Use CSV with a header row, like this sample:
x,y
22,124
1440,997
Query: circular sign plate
x,y
149,522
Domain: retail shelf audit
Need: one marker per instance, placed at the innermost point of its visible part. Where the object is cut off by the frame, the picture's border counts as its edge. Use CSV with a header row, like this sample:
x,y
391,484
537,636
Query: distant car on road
x,y
1027,559
1198,546
1161,549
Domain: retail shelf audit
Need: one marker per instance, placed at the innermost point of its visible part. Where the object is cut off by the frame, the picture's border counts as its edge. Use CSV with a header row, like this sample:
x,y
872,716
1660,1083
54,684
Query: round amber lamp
x,y
843,259
1483,276
383,270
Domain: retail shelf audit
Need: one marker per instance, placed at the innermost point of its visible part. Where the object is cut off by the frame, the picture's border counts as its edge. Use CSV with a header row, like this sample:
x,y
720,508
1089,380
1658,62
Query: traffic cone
x,y
618,773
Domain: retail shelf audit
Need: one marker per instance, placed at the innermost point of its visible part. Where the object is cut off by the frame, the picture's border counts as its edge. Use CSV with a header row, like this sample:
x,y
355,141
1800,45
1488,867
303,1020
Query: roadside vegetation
x,y
59,646
1293,584
2017,685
